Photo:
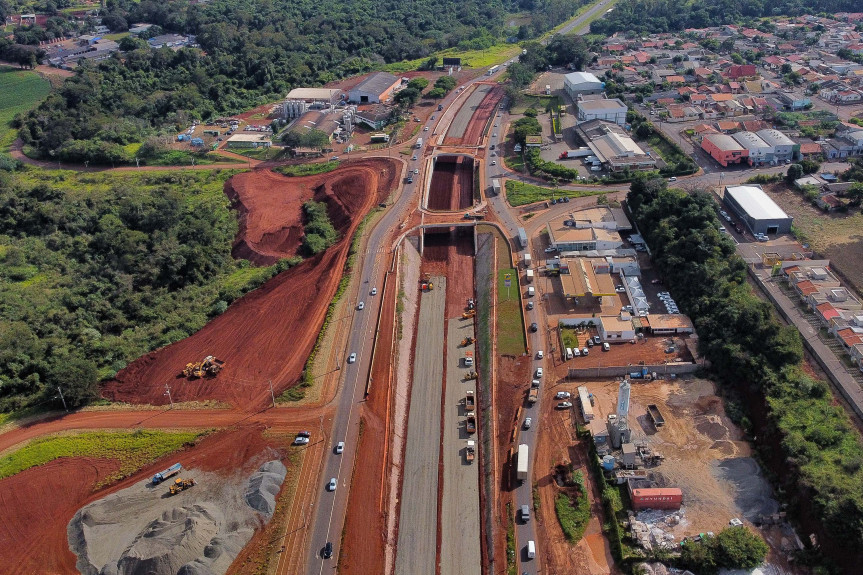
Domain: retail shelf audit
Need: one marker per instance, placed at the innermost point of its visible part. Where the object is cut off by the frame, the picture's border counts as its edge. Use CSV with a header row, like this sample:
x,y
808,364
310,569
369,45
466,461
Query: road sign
x,y
507,280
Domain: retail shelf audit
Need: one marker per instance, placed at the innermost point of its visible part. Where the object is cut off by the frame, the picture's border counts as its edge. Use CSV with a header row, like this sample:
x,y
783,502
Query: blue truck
x,y
165,474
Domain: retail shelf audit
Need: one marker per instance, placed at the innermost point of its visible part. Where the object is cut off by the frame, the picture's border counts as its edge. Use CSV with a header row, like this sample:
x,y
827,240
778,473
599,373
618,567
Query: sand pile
x,y
142,530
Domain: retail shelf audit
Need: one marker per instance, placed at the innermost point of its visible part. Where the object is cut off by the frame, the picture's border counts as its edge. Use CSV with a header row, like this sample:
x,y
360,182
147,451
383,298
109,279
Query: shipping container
x,y
657,498
586,407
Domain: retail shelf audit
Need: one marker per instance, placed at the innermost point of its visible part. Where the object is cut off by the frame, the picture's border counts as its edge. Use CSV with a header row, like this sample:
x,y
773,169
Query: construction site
x,y
452,183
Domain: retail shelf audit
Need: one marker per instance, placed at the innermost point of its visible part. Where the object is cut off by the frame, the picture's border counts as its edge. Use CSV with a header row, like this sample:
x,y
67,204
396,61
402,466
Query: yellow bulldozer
x,y
466,341
181,485
468,314
209,367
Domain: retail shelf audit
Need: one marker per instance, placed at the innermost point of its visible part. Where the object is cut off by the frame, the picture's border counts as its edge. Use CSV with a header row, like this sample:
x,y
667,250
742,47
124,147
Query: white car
x,y
374,291
562,395
360,306
550,249
494,135
576,352
735,522
426,129
539,354
538,373
564,405
585,351
340,447
414,158
494,162
527,422
352,358
619,289
301,441
331,486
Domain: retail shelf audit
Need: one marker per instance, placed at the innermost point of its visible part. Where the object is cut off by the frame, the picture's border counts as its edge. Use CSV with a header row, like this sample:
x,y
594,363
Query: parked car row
x,y
668,301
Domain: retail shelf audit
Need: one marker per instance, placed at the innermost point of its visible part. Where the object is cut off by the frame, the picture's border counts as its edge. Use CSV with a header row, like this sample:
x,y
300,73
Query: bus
x,y
492,70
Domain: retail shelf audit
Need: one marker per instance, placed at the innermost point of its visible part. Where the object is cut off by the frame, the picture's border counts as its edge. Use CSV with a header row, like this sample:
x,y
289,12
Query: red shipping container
x,y
657,498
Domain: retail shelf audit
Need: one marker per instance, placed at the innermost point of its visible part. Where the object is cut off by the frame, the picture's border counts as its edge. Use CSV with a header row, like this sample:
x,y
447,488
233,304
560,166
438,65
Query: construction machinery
x,y
181,485
468,314
470,425
466,341
470,375
209,367
166,473
469,403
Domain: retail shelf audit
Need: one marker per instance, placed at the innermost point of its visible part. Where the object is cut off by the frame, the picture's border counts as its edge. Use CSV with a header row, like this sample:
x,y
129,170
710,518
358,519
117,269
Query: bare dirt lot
x,y
451,185
39,502
838,237
269,333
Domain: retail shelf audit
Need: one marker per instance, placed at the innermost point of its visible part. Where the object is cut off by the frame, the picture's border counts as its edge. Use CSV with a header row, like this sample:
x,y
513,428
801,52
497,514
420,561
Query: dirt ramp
x,y
268,334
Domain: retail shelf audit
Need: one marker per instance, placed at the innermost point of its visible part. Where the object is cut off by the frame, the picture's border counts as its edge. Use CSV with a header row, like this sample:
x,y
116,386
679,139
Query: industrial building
x,y
783,146
724,149
569,238
608,109
375,116
759,150
577,83
757,210
249,141
375,89
300,100
326,122
614,147
579,278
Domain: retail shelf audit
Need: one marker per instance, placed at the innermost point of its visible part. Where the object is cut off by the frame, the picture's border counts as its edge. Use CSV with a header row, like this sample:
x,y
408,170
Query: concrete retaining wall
x,y
622,370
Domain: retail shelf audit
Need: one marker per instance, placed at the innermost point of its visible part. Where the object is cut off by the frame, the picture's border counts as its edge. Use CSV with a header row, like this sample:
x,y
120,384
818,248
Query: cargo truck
x,y
165,474
419,142
529,276
471,422
579,153
521,463
655,415
533,395
470,451
527,261
469,402
495,187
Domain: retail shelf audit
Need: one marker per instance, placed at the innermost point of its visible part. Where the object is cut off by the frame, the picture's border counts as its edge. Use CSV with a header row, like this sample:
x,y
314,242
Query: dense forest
x,y
252,52
758,361
653,16
98,269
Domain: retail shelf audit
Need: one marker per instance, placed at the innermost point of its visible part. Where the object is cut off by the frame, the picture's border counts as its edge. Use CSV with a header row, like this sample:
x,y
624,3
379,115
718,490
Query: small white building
x,y
616,328
608,109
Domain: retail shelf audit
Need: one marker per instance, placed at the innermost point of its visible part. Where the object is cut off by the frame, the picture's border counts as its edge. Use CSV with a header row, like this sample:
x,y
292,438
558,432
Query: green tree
x,y
520,75
418,84
407,97
436,93
524,127
446,83
740,548
795,172
855,193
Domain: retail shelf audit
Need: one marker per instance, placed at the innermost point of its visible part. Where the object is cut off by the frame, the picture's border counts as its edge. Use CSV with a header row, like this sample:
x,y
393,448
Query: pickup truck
x,y
470,451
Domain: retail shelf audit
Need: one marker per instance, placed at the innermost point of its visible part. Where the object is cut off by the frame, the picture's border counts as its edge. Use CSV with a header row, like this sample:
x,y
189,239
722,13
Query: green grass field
x,y
510,326
20,91
519,194
307,169
133,449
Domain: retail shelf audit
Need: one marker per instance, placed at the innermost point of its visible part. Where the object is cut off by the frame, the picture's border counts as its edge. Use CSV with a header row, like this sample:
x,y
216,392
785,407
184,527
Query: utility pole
x,y
272,394
168,393
63,399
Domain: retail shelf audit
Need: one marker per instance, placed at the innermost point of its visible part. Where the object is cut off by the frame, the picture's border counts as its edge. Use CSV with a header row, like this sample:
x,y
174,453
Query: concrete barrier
x,y
623,370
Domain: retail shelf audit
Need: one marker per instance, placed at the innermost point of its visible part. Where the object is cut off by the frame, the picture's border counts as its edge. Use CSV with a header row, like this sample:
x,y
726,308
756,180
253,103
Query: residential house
x,y
740,71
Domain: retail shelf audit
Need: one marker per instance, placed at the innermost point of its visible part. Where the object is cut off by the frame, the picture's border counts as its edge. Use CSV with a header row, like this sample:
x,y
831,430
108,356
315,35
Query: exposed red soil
x,y
268,334
39,503
365,532
451,185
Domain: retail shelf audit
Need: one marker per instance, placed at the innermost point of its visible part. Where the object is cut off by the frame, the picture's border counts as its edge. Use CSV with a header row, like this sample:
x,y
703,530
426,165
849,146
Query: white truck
x,y
419,143
579,153
521,463
529,276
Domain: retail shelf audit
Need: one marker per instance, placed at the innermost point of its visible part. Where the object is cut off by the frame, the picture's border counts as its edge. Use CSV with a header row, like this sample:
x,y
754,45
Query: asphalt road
x,y
460,527
416,551
462,118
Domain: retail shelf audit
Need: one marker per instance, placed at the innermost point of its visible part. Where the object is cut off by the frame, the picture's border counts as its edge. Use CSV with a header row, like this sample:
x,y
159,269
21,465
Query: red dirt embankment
x,y
268,334
473,133
39,502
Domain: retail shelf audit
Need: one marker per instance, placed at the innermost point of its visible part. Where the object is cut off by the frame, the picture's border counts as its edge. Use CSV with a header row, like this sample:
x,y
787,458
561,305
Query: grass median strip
x,y
133,449
510,329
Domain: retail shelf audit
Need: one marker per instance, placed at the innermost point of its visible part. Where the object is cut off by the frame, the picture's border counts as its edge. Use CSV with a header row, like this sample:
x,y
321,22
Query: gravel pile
x,y
142,530
752,493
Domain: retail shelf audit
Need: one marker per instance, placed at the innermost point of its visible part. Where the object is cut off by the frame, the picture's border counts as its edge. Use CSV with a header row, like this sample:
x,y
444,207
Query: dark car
x,y
328,550
534,327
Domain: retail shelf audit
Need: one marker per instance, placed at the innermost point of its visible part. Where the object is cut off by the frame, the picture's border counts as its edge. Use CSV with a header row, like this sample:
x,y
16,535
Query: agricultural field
x,y
835,236
20,90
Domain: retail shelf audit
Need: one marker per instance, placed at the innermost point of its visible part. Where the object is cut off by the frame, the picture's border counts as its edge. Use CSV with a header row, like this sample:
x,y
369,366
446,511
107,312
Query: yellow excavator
x,y
209,367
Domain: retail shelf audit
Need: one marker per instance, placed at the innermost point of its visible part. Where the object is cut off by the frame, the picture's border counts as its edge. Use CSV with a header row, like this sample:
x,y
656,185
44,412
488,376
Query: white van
x,y
530,291
569,353
531,550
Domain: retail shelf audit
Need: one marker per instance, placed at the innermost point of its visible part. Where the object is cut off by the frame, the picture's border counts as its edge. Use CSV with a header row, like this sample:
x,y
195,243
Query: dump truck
x,y
471,422
468,359
165,474
469,402
533,396
521,463
181,485
470,451
468,314
466,341
654,415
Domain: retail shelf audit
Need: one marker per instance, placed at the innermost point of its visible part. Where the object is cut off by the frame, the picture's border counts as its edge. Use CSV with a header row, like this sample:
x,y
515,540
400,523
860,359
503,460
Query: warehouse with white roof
x,y
576,83
755,208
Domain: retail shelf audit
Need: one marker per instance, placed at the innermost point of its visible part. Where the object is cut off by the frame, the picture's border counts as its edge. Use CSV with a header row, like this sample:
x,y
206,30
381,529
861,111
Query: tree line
x,y
754,357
